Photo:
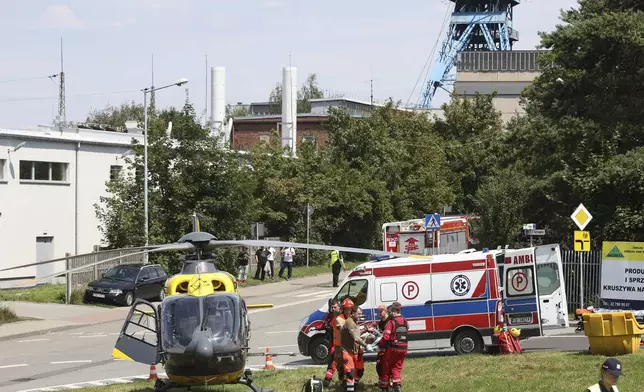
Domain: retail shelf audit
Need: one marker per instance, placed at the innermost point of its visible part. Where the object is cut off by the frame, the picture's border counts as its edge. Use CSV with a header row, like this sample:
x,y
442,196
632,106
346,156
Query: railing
x,y
86,275
582,272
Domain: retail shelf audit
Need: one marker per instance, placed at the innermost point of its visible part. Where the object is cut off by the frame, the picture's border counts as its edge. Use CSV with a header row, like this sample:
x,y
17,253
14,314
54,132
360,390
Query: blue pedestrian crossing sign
x,y
432,222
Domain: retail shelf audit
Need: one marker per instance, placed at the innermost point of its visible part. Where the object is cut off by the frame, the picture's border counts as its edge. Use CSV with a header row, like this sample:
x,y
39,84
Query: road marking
x,y
31,340
13,366
283,345
93,336
276,332
253,311
64,362
315,293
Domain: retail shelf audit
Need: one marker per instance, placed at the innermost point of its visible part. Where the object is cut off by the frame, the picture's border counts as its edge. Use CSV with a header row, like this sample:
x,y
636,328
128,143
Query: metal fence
x,y
582,277
86,275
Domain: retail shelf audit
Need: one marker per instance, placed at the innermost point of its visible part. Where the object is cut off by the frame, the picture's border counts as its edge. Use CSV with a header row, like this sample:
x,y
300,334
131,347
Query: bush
x,y
7,315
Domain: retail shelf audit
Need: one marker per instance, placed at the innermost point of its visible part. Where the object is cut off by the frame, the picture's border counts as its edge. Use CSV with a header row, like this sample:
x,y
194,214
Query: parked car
x,y
124,283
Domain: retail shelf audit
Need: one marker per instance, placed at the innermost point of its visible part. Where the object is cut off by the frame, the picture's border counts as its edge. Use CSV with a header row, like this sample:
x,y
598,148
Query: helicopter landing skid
x,y
162,386
248,381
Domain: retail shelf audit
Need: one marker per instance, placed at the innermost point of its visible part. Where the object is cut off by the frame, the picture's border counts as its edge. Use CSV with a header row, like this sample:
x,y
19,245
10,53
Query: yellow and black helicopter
x,y
200,332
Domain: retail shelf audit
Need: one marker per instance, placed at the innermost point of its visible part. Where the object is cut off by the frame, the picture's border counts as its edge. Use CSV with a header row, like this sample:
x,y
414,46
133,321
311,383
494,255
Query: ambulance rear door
x,y
521,294
552,291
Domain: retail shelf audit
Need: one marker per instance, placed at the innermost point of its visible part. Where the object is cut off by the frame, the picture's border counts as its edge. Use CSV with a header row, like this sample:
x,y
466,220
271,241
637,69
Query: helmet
x,y
347,303
515,332
497,329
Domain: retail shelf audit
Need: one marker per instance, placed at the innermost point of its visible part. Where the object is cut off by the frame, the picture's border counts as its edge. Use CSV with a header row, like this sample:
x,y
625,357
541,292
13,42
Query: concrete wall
x,y
44,208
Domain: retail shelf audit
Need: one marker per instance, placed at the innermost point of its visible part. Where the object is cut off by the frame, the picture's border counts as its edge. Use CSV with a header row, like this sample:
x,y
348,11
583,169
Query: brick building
x,y
250,130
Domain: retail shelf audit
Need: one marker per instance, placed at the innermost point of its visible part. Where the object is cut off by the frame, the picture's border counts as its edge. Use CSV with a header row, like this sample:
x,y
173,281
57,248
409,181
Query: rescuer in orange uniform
x,y
329,320
394,341
338,323
352,344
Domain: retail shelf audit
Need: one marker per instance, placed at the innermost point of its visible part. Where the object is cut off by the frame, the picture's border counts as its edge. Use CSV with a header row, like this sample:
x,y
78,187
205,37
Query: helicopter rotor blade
x,y
184,246
78,256
282,244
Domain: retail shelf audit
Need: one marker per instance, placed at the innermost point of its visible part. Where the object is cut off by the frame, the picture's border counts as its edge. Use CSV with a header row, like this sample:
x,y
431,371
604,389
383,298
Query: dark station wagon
x,y
124,283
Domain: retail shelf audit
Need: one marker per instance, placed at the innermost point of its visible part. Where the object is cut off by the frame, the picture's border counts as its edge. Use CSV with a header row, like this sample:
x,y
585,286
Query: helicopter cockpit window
x,y
354,289
122,273
181,318
219,315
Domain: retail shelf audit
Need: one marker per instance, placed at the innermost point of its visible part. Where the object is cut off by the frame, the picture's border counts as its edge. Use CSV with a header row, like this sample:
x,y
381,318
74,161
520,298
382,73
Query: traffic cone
x,y
153,373
269,360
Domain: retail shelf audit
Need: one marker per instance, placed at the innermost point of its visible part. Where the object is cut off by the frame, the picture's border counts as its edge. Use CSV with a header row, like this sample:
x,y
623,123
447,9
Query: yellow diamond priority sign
x,y
581,217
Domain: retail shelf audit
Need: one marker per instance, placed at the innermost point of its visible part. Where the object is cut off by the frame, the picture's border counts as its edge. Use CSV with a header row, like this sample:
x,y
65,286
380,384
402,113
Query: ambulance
x,y
449,300
550,281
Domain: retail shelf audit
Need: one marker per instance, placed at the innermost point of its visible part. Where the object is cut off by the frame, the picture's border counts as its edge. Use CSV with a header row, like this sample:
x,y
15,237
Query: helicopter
x,y
200,332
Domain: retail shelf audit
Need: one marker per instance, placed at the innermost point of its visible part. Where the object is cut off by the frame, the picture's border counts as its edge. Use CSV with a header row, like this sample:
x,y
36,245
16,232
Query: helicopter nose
x,y
203,349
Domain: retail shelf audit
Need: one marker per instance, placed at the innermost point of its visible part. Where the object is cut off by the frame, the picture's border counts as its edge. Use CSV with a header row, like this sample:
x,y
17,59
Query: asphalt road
x,y
84,354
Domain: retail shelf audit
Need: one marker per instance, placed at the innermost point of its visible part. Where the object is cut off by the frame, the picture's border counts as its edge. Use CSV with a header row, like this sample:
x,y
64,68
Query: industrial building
x,y
507,73
50,179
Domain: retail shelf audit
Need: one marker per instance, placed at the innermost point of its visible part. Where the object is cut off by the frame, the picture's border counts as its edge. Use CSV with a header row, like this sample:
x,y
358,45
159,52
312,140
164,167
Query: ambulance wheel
x,y
319,350
468,341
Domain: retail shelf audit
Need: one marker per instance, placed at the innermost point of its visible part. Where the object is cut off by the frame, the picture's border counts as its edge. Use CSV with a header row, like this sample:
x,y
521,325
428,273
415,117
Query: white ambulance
x,y
550,281
449,300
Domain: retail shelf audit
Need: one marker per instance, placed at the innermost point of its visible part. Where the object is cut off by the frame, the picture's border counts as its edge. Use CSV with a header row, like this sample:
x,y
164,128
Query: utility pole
x,y
309,210
371,91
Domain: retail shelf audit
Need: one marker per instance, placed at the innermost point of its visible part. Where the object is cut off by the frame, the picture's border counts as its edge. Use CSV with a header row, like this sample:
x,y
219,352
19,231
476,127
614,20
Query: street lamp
x,y
147,90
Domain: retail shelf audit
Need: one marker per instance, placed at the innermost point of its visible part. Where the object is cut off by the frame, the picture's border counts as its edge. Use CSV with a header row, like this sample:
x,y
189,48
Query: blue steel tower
x,y
476,25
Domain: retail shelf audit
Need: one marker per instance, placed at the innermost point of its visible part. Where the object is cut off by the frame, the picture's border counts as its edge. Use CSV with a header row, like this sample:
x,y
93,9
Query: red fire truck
x,y
413,237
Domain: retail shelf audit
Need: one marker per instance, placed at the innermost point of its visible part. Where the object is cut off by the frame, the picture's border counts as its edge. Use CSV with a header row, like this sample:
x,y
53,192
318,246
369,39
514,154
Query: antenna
x,y
206,117
152,106
62,116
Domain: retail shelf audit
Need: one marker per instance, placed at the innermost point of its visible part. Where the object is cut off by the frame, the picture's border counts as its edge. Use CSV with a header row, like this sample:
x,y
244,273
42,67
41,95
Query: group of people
x,y
265,261
348,343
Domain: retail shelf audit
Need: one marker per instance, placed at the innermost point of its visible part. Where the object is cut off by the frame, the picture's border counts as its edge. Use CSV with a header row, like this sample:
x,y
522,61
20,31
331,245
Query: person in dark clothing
x,y
261,257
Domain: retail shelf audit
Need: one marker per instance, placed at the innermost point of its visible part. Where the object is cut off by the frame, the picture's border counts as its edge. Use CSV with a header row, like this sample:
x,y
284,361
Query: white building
x,y
49,182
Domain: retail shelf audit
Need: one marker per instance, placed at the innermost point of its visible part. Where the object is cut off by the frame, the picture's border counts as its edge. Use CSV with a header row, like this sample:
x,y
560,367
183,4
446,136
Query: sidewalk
x,y
58,317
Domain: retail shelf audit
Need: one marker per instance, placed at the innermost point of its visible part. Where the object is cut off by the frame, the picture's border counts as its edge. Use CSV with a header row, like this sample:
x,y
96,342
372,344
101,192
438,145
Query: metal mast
x,y
475,25
62,116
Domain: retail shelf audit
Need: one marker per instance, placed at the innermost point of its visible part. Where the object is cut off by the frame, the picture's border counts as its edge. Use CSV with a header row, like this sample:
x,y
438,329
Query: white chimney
x,y
218,102
289,108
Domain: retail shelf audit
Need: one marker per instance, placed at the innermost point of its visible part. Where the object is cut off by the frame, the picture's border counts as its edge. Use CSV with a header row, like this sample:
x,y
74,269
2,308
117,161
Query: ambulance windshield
x,y
354,289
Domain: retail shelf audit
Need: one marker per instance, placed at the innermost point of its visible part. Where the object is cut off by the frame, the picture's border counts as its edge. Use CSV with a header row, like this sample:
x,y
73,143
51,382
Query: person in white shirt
x,y
287,261
270,266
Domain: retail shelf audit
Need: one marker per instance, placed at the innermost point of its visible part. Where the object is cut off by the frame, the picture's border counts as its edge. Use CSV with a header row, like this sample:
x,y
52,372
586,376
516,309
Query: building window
x,y
309,139
115,170
2,161
43,171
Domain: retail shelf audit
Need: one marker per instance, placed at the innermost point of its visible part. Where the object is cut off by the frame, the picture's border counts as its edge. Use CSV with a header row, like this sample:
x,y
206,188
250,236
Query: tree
x,y
308,91
500,204
188,173
583,117
472,131
117,116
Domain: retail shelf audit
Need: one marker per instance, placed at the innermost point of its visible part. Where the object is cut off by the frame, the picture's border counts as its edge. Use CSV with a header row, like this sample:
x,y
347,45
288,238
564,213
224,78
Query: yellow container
x,y
613,333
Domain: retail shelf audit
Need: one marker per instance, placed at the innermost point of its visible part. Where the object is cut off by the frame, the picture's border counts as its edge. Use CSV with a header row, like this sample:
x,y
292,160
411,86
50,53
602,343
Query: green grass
x,y
534,372
300,271
46,293
7,315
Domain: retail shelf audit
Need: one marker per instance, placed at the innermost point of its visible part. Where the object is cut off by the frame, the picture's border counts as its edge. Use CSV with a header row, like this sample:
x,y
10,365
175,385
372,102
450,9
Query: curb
x,y
50,330
143,377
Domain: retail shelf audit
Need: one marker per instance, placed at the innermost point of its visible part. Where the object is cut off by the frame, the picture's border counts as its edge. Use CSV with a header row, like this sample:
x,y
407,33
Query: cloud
x,y
62,17
123,22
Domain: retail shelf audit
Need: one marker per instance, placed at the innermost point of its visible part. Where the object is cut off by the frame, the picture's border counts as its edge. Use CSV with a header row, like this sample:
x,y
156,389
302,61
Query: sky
x,y
109,46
